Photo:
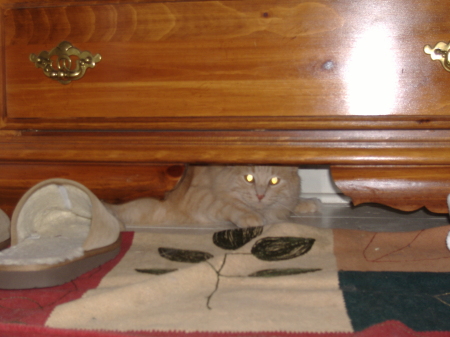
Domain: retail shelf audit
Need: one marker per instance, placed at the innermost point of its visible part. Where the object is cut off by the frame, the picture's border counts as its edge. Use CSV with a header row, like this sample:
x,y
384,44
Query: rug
x,y
284,279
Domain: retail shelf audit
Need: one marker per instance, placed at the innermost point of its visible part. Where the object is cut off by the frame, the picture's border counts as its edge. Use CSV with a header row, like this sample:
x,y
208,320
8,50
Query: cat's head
x,y
263,187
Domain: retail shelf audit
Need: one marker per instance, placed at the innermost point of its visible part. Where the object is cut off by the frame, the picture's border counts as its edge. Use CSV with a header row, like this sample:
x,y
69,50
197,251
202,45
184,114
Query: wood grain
x,y
348,147
2,82
190,52
406,188
235,123
215,64
288,82
113,183
7,4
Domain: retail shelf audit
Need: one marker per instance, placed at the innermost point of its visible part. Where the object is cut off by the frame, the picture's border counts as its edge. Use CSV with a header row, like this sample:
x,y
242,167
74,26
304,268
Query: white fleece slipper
x,y
59,230
4,230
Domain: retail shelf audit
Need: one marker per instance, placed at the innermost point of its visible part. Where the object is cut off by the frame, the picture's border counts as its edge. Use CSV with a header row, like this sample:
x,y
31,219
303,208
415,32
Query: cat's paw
x,y
312,205
250,220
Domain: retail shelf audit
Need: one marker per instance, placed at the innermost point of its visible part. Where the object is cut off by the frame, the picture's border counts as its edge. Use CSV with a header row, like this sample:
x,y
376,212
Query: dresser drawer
x,y
231,65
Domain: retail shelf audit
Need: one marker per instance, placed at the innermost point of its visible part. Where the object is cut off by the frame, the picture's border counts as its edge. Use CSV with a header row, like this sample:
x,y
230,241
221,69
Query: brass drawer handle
x,y
65,63
440,53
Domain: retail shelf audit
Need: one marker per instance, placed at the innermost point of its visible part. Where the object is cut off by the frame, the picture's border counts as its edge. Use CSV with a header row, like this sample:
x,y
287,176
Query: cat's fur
x,y
220,196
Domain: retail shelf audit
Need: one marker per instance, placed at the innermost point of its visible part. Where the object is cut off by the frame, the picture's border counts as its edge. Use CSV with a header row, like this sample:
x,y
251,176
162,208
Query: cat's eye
x,y
274,181
250,178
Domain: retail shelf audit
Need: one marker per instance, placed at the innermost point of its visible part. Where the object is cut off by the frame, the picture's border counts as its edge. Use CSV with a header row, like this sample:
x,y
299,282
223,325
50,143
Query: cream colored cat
x,y
245,196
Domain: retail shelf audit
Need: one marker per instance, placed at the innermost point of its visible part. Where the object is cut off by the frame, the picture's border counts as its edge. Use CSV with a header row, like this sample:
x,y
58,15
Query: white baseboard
x,y
317,183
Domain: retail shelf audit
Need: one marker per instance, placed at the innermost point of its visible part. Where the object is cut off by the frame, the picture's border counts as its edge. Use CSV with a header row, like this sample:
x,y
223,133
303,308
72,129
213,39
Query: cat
x,y
242,196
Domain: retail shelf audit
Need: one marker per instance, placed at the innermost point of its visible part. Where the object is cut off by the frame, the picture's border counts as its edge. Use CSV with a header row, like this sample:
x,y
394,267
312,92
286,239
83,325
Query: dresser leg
x,y
406,188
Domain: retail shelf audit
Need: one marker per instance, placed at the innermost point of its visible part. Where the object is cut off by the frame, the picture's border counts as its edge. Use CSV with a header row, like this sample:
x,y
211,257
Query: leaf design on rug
x,y
282,272
181,255
232,239
281,248
267,249
155,271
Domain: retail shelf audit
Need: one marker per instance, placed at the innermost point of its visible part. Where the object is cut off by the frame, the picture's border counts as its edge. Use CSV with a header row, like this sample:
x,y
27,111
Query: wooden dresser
x,y
166,83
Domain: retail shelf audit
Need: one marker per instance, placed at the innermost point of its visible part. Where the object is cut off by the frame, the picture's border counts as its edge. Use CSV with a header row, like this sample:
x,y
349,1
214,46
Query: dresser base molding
x,y
406,169
406,188
306,147
114,183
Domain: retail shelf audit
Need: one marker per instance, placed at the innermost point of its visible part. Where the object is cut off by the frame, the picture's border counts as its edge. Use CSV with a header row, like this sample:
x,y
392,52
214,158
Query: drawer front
x,y
230,64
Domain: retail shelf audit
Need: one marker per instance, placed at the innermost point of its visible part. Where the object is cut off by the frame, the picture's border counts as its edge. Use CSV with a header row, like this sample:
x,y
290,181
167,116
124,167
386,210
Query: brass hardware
x,y
65,63
440,53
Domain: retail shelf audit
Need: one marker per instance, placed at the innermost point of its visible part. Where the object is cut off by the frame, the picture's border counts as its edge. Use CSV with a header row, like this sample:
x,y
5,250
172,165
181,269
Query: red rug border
x,y
388,328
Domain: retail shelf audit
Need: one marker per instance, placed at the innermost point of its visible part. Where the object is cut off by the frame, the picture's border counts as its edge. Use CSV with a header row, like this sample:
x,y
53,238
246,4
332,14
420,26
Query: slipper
x,y
59,230
4,230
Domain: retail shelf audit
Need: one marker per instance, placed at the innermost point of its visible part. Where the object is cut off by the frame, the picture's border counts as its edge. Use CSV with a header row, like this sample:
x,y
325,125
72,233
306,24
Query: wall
x,y
317,183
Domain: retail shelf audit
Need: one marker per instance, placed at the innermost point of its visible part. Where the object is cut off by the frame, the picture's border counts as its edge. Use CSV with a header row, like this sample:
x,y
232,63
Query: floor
x,y
372,218
341,215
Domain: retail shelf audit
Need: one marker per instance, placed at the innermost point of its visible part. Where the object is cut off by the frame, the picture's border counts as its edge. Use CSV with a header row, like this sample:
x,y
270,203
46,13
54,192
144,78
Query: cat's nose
x,y
260,196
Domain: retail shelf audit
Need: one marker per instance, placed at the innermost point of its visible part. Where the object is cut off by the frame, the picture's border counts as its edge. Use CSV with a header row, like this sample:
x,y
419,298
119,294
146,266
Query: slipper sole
x,y
50,275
